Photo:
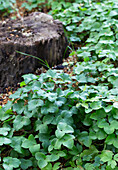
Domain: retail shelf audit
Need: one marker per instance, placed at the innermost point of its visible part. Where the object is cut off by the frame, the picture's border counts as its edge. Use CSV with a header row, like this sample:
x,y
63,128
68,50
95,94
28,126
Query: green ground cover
x,y
69,121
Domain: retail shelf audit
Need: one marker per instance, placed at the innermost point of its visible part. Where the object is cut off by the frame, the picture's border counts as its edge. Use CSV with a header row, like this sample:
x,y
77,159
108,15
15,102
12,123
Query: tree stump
x,y
38,35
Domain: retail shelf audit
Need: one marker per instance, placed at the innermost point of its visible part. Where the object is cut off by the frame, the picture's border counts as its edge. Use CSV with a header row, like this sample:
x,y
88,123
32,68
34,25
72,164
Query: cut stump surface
x,y
38,35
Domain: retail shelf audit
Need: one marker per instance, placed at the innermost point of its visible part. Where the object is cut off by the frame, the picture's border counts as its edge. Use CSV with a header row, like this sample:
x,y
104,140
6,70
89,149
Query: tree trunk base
x,y
38,35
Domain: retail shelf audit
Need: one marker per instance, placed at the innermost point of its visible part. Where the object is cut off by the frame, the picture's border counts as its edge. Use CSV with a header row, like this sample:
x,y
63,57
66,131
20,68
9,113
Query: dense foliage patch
x,y
69,121
7,6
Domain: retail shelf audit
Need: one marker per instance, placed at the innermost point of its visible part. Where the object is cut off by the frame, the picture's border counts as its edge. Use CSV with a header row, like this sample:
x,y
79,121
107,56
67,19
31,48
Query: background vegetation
x,y
60,120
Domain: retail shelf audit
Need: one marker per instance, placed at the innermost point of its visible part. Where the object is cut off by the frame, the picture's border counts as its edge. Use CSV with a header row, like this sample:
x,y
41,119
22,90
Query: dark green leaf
x,y
25,164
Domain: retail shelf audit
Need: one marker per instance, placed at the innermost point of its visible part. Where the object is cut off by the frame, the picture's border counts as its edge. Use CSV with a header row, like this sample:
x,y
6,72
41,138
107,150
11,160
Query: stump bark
x,y
38,35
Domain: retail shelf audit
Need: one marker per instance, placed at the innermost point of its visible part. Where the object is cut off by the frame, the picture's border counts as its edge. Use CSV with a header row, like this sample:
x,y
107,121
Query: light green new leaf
x,y
108,108
60,101
96,105
16,95
89,166
113,80
56,166
20,121
112,163
29,77
109,129
4,131
4,140
112,139
114,124
66,140
106,155
116,157
51,96
102,123
49,86
113,13
42,163
34,148
52,157
115,104
16,142
19,106
65,127
4,115
40,156
27,143
59,134
32,104
81,78
9,163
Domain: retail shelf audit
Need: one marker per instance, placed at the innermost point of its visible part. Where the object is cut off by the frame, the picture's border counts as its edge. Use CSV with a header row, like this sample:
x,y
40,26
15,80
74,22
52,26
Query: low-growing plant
x,y
101,26
8,6
68,121
57,121
32,4
71,14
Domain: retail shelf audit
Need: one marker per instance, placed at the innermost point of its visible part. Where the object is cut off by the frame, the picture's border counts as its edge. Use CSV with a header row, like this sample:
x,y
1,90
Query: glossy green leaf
x,y
116,157
96,105
99,114
106,155
4,115
16,143
29,77
42,163
34,104
4,140
24,121
34,148
27,143
9,163
4,131
84,138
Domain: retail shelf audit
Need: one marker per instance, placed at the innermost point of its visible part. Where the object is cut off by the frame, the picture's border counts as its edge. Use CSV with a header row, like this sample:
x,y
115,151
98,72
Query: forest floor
x,y
6,92
68,68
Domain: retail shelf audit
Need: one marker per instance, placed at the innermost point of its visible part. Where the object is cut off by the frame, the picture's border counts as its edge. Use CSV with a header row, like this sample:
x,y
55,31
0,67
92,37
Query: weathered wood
x,y
38,35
